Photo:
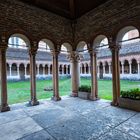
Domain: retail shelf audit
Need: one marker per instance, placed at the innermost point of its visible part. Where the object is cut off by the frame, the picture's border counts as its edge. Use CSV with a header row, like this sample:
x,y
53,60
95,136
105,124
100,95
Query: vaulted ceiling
x,y
71,9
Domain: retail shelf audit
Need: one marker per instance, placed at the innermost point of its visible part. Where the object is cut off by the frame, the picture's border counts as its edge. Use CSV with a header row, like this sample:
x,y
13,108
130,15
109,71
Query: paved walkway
x,y
69,119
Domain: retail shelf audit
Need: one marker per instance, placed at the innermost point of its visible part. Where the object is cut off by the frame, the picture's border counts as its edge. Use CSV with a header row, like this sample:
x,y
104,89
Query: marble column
x,y
3,76
89,69
75,72
10,69
18,74
94,83
103,68
85,69
130,67
115,73
49,70
38,69
109,64
43,69
122,63
138,67
25,69
32,53
56,96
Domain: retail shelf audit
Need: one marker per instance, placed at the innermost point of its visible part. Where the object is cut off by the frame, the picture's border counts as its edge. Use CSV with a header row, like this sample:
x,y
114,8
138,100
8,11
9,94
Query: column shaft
x,y
94,86
33,77
56,96
115,74
3,78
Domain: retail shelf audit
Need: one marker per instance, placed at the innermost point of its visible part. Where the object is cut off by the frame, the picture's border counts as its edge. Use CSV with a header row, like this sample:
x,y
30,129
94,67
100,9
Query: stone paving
x,y
69,119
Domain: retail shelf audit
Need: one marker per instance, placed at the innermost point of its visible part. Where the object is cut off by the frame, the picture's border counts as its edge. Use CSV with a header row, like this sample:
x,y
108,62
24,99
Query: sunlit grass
x,y
20,91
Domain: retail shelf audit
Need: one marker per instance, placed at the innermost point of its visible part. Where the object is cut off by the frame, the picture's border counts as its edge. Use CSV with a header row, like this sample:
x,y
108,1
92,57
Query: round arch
x,y
123,31
97,41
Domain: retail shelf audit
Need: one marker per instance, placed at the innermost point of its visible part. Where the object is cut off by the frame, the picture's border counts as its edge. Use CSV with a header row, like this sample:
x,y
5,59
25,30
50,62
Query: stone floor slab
x,y
132,126
69,119
12,116
17,129
115,135
40,135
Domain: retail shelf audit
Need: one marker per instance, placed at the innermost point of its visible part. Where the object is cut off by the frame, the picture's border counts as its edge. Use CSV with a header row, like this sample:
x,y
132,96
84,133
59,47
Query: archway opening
x,y
128,40
17,56
101,46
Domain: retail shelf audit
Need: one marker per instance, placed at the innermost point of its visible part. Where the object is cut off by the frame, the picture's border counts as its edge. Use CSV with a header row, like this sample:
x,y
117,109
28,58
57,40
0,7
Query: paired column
x,y
32,53
56,96
75,72
115,73
3,77
94,84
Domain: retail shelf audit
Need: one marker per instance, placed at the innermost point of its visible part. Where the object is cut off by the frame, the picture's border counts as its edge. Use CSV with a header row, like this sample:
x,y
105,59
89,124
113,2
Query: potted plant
x,y
130,99
84,92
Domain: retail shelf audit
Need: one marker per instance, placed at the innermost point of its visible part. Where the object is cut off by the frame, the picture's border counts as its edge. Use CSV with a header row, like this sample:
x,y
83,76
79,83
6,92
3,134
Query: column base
x,y
73,94
114,103
33,102
93,98
54,98
4,108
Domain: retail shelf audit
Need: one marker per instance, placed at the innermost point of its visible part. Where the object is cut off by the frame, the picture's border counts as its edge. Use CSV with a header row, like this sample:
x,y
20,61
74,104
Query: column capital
x,y
3,43
74,57
33,48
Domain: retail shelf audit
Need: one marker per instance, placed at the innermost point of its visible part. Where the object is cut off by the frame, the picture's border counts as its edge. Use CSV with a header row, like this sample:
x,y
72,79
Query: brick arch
x,y
21,32
49,42
97,40
68,46
80,45
116,30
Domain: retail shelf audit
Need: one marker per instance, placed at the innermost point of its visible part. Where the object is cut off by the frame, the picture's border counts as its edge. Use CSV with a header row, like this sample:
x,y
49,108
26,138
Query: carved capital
x,y
74,57
33,49
3,43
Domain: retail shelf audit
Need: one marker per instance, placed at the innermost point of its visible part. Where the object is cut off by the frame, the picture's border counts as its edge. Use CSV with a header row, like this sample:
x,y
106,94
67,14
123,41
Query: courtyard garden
x,y
20,91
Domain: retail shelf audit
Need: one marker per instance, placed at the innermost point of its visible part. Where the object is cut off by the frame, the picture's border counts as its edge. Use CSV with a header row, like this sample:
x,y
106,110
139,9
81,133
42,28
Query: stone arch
x,y
8,69
23,37
81,46
49,44
28,69
22,71
87,68
46,69
106,67
98,39
60,69
126,66
101,70
67,46
40,69
51,69
14,69
134,66
123,31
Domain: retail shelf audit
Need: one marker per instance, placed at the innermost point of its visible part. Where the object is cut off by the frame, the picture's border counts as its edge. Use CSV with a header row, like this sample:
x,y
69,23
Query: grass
x,y
20,91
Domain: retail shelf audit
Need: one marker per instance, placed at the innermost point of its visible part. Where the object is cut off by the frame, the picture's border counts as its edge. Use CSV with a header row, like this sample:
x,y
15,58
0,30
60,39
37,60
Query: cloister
x,y
78,29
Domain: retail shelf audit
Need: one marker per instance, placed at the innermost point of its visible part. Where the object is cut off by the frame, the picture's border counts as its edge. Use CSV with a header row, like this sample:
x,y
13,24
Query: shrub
x,y
85,88
131,94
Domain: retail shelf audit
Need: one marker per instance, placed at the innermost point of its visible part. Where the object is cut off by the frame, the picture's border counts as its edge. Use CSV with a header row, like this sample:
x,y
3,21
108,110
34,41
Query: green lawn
x,y
20,91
